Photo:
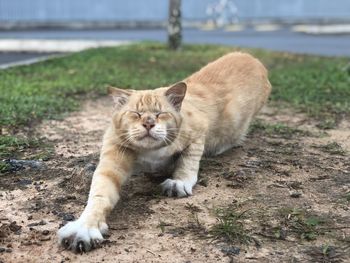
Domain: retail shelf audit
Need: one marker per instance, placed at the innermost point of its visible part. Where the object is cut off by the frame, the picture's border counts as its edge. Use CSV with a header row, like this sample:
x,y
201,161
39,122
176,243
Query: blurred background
x,y
30,29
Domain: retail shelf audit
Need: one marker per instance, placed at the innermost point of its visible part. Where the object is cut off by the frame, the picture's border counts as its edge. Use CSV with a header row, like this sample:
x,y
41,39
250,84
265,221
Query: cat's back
x,y
234,78
230,91
235,70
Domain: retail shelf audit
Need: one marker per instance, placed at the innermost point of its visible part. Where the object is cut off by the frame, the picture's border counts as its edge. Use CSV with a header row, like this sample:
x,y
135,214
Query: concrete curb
x,y
322,29
30,61
58,46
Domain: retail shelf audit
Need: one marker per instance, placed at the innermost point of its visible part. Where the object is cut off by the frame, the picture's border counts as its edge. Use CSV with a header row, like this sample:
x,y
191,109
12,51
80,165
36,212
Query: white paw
x,y
177,188
78,237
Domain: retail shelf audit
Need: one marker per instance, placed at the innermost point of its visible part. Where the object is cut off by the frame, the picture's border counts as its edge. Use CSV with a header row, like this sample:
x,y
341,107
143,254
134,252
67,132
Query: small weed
x,y
325,254
332,148
327,123
230,226
162,225
4,167
194,226
301,223
192,208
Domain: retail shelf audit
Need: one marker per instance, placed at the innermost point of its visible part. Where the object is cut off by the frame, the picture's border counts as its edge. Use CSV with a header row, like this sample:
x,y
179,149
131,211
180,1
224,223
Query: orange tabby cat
x,y
154,130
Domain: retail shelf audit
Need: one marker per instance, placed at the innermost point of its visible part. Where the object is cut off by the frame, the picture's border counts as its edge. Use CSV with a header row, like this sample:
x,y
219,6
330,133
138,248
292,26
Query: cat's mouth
x,y
147,136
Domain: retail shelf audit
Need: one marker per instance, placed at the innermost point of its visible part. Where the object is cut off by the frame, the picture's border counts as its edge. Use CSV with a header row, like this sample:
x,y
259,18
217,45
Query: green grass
x,y
23,148
277,129
301,223
318,86
325,253
333,148
230,226
9,144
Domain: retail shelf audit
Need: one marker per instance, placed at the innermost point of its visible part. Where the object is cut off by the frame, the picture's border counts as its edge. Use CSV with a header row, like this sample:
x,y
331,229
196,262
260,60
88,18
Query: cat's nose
x,y
148,124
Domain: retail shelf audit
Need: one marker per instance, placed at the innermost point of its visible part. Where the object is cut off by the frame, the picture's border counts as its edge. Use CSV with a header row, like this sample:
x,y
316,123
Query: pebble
x,y
40,223
17,165
295,194
45,238
25,182
91,167
14,227
66,216
231,250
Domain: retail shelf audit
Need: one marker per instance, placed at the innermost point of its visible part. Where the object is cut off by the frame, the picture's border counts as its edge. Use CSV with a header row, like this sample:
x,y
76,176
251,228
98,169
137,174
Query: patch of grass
x,y
22,147
4,167
333,148
298,221
327,123
277,129
10,145
325,254
316,85
230,226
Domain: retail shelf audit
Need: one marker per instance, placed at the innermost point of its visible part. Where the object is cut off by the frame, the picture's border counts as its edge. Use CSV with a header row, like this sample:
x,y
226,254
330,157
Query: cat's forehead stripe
x,y
148,101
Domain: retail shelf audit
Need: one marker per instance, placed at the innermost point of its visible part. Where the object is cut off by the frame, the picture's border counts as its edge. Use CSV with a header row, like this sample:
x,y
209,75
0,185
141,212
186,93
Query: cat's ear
x,y
120,96
176,93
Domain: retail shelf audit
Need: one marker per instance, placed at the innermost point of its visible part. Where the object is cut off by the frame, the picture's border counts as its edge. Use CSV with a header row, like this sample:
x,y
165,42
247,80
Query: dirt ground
x,y
290,179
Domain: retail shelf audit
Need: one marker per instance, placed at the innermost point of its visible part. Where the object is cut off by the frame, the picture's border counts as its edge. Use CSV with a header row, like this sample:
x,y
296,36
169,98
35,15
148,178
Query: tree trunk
x,y
174,24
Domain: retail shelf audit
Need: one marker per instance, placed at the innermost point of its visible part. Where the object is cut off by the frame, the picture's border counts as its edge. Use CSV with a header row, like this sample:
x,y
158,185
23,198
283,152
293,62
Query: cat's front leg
x,y
186,171
86,233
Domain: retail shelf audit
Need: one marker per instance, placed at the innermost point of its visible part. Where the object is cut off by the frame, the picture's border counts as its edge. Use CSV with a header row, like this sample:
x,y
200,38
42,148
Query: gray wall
x,y
156,10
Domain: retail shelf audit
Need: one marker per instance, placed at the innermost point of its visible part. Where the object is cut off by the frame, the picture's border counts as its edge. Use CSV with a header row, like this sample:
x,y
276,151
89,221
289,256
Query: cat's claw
x,y
79,238
179,188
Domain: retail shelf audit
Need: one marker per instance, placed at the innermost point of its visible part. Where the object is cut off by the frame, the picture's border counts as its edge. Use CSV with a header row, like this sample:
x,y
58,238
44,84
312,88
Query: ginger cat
x,y
207,113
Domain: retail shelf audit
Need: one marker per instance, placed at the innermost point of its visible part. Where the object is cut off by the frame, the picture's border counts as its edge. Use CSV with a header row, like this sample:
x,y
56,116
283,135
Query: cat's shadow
x,y
135,198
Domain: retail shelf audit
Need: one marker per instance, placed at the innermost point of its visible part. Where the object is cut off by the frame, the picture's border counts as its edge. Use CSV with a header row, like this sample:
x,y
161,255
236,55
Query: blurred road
x,y
12,57
278,38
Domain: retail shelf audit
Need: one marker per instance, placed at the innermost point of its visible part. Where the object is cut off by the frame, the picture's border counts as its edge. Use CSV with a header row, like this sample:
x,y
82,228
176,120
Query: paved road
x,y
282,39
7,58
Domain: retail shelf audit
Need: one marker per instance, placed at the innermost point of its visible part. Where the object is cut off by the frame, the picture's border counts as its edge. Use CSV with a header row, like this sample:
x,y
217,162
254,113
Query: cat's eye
x,y
136,114
159,114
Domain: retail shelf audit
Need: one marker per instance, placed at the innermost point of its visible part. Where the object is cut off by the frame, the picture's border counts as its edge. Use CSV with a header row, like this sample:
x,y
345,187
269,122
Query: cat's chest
x,y
155,161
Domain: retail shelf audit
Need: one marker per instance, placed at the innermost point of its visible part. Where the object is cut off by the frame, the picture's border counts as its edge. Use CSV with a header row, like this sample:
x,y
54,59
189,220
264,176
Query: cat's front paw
x,y
176,187
80,238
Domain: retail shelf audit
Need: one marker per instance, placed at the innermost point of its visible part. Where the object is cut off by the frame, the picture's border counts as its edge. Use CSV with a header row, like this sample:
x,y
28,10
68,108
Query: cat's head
x,y
148,119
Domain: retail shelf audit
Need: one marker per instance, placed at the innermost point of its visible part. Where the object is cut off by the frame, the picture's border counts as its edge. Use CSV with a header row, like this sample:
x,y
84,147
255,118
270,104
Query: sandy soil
x,y
280,178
